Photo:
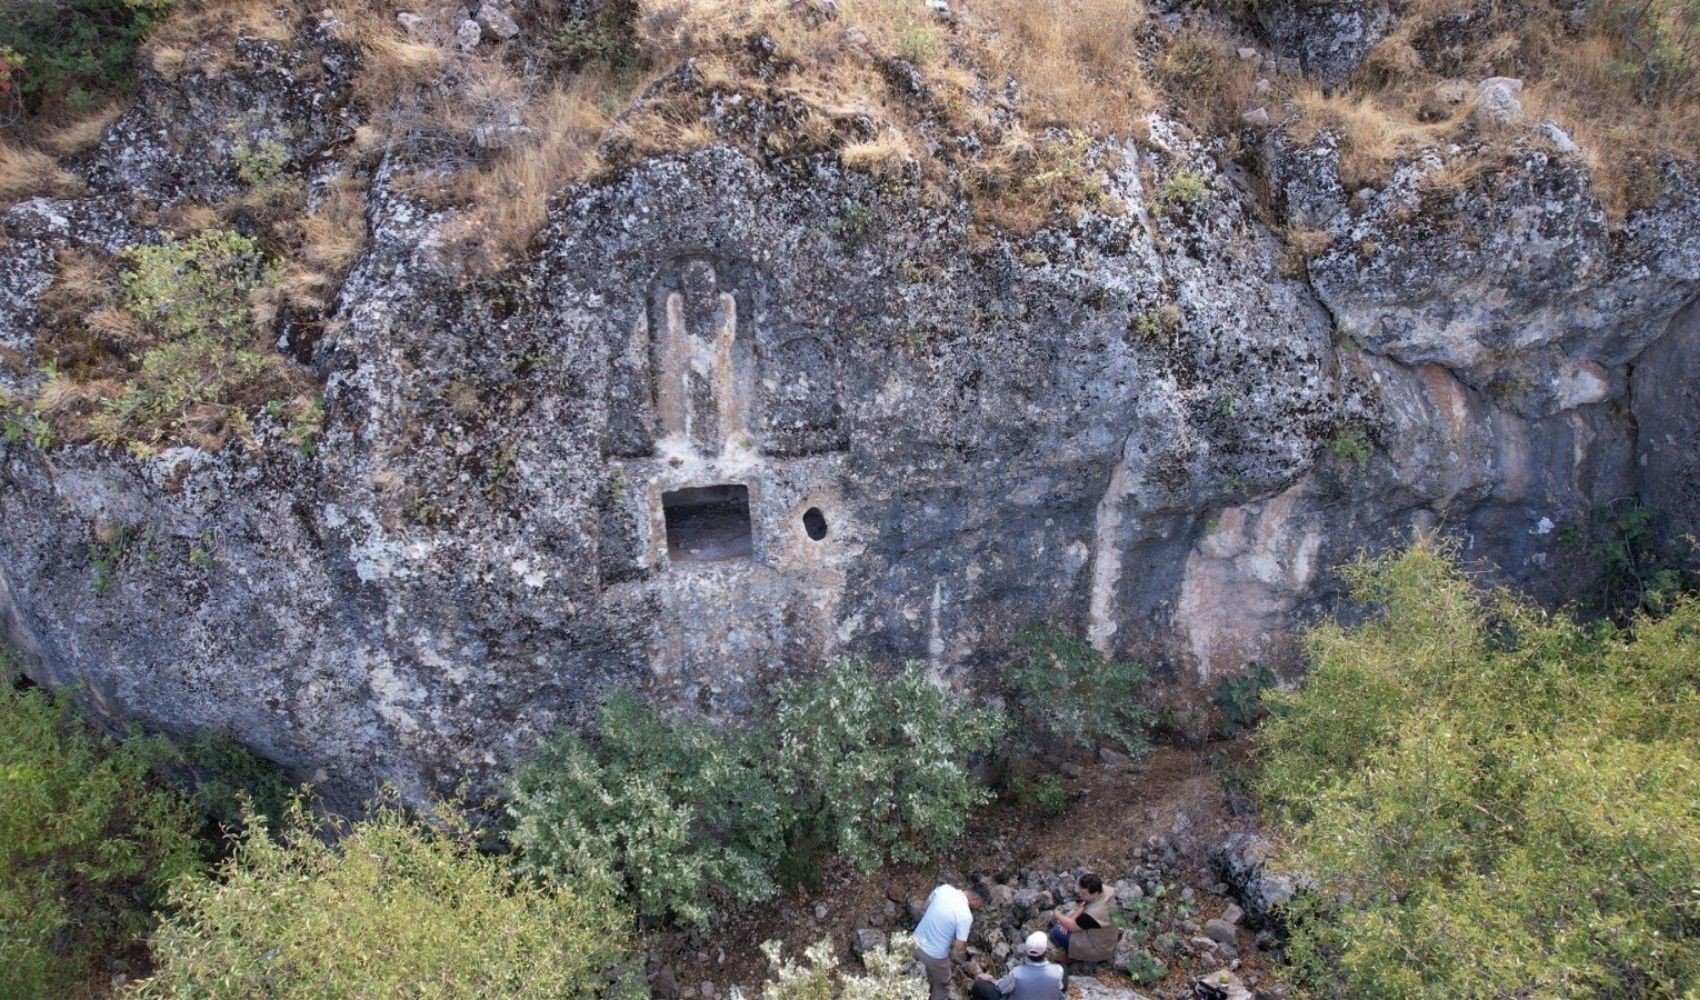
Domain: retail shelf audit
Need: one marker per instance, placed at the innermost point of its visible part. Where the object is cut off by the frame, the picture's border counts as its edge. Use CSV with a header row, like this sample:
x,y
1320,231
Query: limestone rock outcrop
x,y
732,417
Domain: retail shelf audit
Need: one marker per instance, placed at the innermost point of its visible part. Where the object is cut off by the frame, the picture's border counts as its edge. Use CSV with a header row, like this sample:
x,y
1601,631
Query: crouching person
x,y
1036,979
1087,933
942,935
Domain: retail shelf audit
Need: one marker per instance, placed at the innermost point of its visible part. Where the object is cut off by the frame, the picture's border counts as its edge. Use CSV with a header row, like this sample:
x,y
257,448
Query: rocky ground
x,y
1172,832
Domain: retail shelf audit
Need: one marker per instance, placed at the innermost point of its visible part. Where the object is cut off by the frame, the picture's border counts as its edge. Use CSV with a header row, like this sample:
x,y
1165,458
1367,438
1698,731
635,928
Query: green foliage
x,y
87,841
1240,699
199,286
604,39
303,419
1633,575
259,163
20,423
875,770
229,781
1496,801
392,910
887,979
76,51
105,555
1145,968
674,811
1661,55
1351,443
678,815
196,295
1065,691
1184,186
1044,794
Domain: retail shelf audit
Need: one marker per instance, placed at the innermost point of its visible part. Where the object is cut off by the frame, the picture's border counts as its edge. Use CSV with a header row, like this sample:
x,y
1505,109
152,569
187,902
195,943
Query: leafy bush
x,y
1240,699
678,815
1066,691
1662,55
393,910
671,809
876,770
887,979
75,50
87,840
1496,801
1618,541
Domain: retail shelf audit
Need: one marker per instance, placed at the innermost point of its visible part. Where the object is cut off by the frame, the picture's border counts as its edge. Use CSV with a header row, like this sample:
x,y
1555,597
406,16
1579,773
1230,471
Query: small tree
x,y
391,910
1063,690
675,811
876,770
88,840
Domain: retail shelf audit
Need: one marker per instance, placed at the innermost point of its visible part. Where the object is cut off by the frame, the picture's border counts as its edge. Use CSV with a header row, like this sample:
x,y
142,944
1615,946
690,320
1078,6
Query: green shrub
x,y
196,296
1496,801
76,51
87,841
1351,443
876,770
392,910
675,811
1618,541
1182,187
887,979
678,816
1065,691
1240,699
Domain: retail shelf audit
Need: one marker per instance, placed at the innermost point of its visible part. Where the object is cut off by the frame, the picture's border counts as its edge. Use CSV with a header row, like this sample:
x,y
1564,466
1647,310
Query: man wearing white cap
x,y
1036,979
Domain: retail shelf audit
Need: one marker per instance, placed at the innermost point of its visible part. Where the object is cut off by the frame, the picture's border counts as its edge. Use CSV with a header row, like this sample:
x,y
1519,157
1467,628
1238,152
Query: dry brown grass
x,y
886,156
30,173
1077,61
198,35
81,133
332,236
507,201
1206,81
1584,80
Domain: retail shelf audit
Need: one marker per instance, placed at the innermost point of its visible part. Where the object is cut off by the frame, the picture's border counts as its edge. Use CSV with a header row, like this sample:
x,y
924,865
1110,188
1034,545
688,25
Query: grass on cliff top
x,y
1623,80
1497,801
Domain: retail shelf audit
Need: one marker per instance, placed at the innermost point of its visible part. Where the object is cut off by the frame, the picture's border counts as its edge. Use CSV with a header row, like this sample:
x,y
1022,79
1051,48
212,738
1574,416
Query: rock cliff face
x,y
733,418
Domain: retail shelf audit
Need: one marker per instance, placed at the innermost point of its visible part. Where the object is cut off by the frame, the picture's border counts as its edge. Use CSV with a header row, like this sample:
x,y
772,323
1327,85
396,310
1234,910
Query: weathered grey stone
x,y
1245,862
866,940
498,22
1221,931
1497,103
1328,38
468,35
1665,400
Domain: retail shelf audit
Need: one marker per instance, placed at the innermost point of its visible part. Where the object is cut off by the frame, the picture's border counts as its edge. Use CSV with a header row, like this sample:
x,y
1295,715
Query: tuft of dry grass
x,y
332,236
82,133
30,173
1077,62
1207,81
886,156
507,200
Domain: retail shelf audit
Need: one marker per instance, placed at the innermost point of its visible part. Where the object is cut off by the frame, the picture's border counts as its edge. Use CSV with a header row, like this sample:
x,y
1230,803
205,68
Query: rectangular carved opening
x,y
708,523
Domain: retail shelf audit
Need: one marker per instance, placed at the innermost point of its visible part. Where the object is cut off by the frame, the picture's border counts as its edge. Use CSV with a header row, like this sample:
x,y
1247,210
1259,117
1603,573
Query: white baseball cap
x,y
1037,944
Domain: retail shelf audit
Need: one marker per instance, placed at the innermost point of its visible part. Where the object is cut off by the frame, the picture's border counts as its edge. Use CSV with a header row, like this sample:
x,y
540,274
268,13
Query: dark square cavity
x,y
708,523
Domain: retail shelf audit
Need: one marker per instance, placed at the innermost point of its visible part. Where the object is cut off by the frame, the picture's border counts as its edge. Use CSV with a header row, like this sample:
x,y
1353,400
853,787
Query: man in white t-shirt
x,y
942,934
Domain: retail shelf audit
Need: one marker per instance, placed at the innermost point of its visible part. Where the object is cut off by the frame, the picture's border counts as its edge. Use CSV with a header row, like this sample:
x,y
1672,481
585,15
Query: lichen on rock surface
x,y
781,389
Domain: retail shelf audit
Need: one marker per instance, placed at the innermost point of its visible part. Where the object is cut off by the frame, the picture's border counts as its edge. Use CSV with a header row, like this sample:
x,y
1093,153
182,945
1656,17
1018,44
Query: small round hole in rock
x,y
814,522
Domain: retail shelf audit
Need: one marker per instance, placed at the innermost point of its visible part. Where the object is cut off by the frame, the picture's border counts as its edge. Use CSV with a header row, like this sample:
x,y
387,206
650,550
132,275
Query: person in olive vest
x,y
1086,933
